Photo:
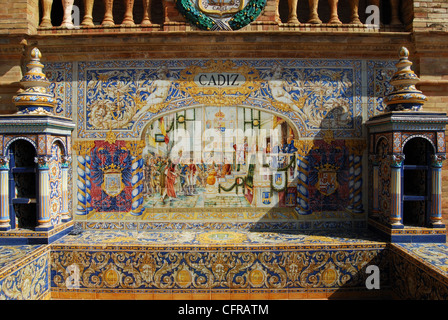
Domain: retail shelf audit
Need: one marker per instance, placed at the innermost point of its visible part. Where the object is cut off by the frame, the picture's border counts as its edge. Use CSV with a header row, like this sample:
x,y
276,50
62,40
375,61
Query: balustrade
x,y
88,6
88,17
333,7
350,9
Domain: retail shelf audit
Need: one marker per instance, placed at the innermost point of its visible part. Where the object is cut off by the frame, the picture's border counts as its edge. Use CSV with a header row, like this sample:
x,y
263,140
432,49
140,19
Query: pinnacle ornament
x,y
404,96
35,98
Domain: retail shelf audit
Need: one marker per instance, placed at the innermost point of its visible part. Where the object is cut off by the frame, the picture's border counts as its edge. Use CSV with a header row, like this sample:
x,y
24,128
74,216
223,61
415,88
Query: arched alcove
x,y
417,181
22,185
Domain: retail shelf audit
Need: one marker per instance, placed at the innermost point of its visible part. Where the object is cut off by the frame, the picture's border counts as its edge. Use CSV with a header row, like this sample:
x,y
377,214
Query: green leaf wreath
x,y
250,12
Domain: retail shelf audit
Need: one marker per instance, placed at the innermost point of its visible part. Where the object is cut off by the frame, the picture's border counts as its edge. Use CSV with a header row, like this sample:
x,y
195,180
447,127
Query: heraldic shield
x,y
327,182
221,7
112,183
266,197
279,181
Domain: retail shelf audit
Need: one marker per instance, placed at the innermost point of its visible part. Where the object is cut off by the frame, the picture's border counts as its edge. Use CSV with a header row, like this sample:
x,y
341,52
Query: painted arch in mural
x,y
210,156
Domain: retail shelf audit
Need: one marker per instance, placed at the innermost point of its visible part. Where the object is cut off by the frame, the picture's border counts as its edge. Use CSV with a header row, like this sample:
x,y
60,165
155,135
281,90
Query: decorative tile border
x,y
27,273
221,264
226,268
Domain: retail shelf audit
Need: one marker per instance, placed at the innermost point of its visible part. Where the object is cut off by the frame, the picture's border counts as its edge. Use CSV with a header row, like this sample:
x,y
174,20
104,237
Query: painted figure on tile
x,y
226,170
275,156
183,174
162,178
280,90
201,173
289,146
149,172
192,178
158,93
109,105
170,174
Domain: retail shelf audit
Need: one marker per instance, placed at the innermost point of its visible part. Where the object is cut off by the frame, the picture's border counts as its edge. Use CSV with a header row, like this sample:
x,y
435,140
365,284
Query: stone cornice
x,y
200,44
431,42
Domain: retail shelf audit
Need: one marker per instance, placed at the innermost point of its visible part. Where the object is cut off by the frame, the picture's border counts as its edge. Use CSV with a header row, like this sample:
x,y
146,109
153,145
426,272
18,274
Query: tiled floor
x,y
217,237
10,254
432,254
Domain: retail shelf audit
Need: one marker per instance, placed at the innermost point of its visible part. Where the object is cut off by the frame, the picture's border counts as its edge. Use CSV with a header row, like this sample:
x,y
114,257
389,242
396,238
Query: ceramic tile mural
x,y
111,174
61,76
119,94
378,85
129,165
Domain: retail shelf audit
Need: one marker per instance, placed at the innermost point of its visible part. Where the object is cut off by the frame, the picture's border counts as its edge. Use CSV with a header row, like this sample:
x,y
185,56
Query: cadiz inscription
x,y
224,79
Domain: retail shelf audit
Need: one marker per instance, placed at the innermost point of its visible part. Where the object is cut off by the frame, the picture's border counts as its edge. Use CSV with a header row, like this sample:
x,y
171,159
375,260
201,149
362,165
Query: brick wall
x,y
11,63
433,72
430,14
19,17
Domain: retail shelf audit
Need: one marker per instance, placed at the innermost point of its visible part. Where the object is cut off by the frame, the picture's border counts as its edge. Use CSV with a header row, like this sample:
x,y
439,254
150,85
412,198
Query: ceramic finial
x,y
35,98
404,96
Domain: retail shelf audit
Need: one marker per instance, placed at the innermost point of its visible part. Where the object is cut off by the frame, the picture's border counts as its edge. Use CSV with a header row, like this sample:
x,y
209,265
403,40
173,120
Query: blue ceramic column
x,y
43,219
4,194
436,191
396,192
65,215
303,149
